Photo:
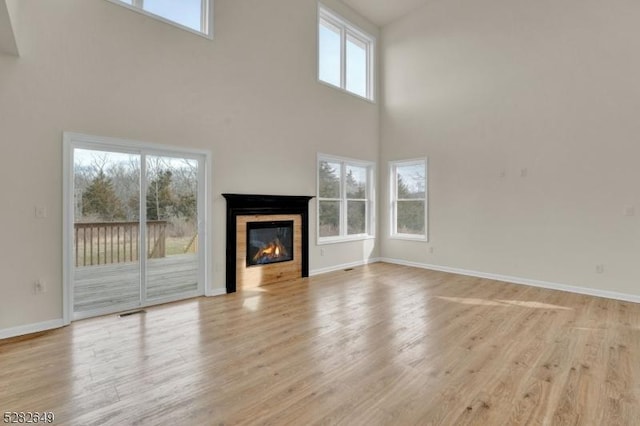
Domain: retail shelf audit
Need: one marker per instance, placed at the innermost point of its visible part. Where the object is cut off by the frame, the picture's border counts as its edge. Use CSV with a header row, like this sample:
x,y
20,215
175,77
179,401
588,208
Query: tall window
x,y
409,199
345,54
193,15
345,199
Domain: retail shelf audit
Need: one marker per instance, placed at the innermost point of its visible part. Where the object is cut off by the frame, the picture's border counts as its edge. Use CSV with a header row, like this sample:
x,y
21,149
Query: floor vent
x,y
126,314
348,269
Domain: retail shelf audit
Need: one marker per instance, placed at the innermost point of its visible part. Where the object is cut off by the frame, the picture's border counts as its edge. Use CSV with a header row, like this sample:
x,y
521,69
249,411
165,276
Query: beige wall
x,y
496,86
484,89
94,67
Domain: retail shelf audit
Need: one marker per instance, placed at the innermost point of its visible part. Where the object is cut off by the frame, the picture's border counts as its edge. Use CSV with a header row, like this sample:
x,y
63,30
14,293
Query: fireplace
x,y
269,242
267,239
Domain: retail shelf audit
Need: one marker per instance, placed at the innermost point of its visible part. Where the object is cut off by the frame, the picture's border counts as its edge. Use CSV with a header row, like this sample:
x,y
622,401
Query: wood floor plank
x,y
376,345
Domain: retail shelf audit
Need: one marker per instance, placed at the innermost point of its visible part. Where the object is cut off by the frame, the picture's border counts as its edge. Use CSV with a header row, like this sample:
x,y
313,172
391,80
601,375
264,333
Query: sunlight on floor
x,y
536,305
505,303
252,303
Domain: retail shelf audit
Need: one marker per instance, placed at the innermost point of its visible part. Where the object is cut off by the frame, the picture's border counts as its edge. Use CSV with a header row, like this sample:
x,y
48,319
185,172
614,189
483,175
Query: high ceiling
x,y
382,12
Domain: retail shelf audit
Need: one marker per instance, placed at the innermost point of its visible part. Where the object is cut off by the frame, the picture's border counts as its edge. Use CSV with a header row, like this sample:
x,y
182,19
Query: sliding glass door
x,y
172,226
137,217
106,230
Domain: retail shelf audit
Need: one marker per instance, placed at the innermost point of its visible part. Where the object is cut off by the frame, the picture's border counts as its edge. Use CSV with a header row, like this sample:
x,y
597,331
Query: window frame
x,y
370,204
72,141
347,29
393,198
206,16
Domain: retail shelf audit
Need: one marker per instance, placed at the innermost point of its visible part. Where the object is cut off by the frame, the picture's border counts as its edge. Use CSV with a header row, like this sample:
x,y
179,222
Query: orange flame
x,y
273,250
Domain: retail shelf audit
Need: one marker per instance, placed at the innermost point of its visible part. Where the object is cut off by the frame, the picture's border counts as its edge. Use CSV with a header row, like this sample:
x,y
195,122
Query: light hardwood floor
x,y
381,344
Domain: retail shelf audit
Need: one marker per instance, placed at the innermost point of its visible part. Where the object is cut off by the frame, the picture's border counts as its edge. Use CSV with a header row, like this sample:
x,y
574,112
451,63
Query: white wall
x,y
250,96
496,86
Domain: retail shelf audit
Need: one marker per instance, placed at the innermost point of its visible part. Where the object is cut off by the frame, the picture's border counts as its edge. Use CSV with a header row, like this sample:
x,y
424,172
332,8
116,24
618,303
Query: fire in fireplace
x,y
269,242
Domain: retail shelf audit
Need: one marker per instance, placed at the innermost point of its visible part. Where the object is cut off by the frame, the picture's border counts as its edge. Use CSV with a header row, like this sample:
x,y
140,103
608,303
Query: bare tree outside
x,y
107,192
411,199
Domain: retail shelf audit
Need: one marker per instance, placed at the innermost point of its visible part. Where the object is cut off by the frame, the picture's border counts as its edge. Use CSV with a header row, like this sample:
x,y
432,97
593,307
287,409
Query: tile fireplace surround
x,y
243,208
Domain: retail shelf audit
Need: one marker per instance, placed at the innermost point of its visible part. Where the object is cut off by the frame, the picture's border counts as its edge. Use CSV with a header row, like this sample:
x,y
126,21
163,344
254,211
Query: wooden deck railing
x,y
102,243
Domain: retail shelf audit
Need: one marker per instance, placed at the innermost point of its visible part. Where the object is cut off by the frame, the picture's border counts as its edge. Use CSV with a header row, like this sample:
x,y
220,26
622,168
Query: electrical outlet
x,y
630,211
321,252
432,249
40,212
39,286
524,172
599,269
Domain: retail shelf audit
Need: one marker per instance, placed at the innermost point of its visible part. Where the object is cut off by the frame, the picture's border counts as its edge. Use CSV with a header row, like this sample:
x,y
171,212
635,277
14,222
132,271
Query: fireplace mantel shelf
x,y
266,201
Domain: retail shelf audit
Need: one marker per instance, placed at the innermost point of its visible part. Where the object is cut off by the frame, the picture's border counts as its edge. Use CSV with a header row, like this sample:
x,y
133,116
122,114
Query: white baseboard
x,y
518,280
30,328
216,292
343,266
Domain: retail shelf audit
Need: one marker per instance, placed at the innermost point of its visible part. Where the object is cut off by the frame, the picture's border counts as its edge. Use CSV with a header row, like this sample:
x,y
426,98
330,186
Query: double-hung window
x,y
409,199
192,15
345,199
345,54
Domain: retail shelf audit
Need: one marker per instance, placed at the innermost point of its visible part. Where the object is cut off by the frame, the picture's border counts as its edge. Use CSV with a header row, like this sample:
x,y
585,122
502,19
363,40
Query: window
x,y
345,54
409,199
192,15
345,199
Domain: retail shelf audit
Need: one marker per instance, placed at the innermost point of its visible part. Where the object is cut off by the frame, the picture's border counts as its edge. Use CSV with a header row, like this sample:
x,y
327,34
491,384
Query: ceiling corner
x,y
383,12
8,42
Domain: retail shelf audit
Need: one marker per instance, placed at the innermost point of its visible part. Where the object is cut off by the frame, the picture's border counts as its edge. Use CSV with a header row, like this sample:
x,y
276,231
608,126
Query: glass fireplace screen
x,y
269,242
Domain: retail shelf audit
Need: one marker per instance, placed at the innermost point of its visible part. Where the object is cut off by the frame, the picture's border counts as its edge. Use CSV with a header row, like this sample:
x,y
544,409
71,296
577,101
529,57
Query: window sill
x,y
351,238
409,237
340,89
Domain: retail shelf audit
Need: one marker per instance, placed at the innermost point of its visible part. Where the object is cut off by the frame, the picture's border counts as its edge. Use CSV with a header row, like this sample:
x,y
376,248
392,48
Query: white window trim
x,y
347,28
206,16
370,202
393,190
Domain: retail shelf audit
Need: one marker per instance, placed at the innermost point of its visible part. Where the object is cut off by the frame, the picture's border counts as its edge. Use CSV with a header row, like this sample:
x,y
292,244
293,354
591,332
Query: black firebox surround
x,y
252,204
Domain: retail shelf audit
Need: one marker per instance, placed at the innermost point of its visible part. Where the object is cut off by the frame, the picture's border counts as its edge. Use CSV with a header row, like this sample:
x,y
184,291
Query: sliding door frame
x,y
72,141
